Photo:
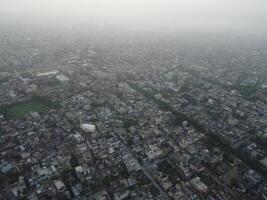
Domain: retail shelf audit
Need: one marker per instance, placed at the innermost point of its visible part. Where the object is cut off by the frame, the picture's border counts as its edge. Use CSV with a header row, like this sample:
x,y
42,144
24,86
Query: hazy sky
x,y
242,15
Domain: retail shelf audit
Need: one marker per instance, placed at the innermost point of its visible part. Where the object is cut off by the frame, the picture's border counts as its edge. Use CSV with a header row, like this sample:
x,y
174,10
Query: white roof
x,y
59,184
62,77
88,127
79,169
47,73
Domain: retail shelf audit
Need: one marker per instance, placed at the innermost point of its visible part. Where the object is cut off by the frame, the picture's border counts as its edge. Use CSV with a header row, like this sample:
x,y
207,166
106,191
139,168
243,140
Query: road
x,y
145,170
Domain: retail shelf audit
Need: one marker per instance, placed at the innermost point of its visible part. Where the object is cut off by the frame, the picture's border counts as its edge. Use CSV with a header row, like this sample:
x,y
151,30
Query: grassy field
x,y
21,110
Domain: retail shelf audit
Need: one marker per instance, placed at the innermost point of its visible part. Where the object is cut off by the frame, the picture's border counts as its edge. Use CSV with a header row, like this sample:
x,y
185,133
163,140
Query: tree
x,y
234,182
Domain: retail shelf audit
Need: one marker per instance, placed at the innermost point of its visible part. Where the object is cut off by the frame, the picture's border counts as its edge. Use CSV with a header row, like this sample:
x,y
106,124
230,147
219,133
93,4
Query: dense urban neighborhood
x,y
141,119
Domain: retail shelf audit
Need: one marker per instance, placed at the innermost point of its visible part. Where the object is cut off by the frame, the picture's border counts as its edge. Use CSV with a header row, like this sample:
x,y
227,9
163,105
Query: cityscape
x,y
132,117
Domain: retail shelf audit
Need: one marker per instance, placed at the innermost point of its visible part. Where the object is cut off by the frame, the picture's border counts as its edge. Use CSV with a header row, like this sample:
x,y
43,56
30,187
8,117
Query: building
x,y
64,81
88,128
199,185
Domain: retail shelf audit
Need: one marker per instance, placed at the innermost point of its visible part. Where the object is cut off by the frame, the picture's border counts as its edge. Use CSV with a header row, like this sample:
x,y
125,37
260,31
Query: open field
x,y
20,110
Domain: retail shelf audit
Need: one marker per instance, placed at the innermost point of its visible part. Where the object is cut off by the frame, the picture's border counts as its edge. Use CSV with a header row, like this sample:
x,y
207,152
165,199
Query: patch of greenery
x,y
185,87
53,82
107,180
166,167
22,109
3,179
26,75
3,80
244,90
130,122
167,92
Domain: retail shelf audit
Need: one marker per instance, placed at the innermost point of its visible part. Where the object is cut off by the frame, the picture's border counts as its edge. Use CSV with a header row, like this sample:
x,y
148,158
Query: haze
x,y
158,15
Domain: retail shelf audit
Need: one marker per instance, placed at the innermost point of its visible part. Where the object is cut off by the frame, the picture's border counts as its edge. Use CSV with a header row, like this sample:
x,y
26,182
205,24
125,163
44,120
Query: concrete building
x,y
64,81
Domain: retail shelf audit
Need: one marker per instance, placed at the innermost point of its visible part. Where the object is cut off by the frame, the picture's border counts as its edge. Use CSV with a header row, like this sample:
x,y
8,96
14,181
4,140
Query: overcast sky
x,y
228,15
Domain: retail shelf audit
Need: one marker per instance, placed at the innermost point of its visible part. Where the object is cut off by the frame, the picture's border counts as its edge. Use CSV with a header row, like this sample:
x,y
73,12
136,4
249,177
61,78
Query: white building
x,y
64,80
89,128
